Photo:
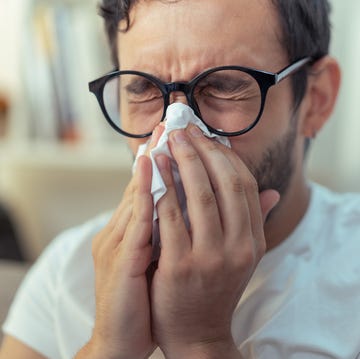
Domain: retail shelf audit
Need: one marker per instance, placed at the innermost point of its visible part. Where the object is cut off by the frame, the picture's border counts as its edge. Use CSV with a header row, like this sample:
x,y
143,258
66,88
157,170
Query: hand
x,y
122,253
202,273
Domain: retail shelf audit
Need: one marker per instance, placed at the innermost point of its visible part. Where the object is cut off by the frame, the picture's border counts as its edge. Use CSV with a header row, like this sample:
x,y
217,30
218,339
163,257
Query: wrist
x,y
88,351
224,349
92,350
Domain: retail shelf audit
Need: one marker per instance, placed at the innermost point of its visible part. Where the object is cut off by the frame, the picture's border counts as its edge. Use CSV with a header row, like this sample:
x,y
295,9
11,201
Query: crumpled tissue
x,y
178,116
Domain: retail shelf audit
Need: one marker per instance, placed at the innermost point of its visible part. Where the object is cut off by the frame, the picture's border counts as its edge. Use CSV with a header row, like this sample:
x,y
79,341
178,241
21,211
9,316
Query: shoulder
x,y
338,242
73,248
69,257
63,249
335,286
55,303
77,237
338,227
340,212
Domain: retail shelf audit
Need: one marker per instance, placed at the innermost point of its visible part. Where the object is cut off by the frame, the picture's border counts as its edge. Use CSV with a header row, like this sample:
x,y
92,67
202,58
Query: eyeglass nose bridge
x,y
178,86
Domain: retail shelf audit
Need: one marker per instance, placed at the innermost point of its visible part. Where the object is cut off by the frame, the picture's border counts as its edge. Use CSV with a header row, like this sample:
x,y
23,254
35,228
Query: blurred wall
x,y
42,193
11,15
335,156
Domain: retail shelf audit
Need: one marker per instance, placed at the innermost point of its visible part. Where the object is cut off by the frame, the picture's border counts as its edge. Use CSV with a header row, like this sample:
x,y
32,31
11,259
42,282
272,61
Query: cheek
x,y
274,123
249,148
278,108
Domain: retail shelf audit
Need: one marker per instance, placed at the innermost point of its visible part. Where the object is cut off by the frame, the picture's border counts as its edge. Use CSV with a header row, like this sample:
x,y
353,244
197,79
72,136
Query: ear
x,y
322,90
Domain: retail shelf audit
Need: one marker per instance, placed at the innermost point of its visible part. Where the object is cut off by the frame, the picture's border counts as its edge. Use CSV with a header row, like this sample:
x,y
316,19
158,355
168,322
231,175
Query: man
x,y
215,293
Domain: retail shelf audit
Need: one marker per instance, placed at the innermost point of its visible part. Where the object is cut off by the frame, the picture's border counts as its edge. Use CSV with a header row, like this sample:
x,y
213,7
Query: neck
x,y
288,213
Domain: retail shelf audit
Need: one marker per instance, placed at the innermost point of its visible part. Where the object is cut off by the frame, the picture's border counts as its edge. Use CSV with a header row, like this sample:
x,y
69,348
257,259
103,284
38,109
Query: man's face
x,y
177,41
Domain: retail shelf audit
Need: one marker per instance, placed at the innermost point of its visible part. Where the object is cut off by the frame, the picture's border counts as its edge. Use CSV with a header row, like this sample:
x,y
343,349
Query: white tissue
x,y
178,116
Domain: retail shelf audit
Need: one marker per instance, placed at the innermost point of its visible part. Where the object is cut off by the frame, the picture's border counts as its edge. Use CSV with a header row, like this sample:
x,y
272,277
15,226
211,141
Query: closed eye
x,y
141,90
226,83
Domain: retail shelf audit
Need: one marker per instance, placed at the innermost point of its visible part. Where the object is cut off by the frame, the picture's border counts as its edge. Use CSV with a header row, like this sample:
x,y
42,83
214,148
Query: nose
x,y
178,92
178,96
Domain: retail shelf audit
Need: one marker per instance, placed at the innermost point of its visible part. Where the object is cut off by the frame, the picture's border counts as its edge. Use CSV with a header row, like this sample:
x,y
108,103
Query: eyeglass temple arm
x,y
291,69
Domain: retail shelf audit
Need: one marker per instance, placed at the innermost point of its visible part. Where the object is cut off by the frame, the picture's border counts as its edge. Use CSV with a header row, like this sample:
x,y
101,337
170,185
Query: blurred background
x,y
60,163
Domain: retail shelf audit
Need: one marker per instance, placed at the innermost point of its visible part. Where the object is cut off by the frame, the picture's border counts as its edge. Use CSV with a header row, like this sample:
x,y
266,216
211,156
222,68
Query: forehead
x,y
199,34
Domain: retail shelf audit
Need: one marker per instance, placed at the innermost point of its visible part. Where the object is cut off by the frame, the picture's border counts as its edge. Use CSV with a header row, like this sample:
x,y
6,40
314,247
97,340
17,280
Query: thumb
x,y
268,200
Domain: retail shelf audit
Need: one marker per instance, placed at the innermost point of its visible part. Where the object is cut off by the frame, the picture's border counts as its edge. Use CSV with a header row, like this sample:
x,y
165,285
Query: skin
x,y
208,269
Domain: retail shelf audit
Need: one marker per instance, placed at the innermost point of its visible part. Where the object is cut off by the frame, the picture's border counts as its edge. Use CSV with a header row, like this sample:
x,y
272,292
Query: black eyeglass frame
x,y
264,80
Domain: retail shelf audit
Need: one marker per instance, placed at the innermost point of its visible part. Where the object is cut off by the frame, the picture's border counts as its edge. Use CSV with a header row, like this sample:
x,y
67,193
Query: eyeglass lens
x,y
228,100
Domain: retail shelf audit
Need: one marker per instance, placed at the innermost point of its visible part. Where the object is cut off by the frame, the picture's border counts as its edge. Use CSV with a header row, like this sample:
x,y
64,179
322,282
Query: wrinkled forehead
x,y
204,29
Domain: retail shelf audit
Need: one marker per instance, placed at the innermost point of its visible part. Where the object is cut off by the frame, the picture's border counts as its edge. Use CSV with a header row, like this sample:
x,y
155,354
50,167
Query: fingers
x,y
175,239
201,201
122,254
213,262
222,195
123,213
230,184
155,137
139,186
268,200
259,204
111,235
140,224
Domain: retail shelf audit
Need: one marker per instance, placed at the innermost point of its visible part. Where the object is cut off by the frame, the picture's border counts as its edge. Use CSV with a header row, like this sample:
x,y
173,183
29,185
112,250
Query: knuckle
x,y
142,213
172,214
167,177
179,270
102,248
190,155
246,257
236,184
207,197
215,264
211,145
134,189
251,185
239,185
130,188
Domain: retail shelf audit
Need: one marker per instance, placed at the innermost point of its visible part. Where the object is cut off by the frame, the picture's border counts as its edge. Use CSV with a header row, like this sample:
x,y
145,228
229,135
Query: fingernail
x,y
179,137
195,131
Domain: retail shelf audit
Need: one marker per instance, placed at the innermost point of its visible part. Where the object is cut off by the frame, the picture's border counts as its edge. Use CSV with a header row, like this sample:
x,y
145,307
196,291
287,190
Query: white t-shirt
x,y
303,301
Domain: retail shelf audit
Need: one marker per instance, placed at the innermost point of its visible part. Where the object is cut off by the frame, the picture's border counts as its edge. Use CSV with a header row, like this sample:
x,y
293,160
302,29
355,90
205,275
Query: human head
x,y
305,30
176,40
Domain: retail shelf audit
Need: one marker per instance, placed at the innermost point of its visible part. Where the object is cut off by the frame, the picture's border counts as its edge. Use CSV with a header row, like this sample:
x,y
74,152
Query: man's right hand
x,y
122,253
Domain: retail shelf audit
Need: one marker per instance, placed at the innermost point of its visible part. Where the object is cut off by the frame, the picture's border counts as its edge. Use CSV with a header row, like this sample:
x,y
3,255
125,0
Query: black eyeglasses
x,y
228,99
